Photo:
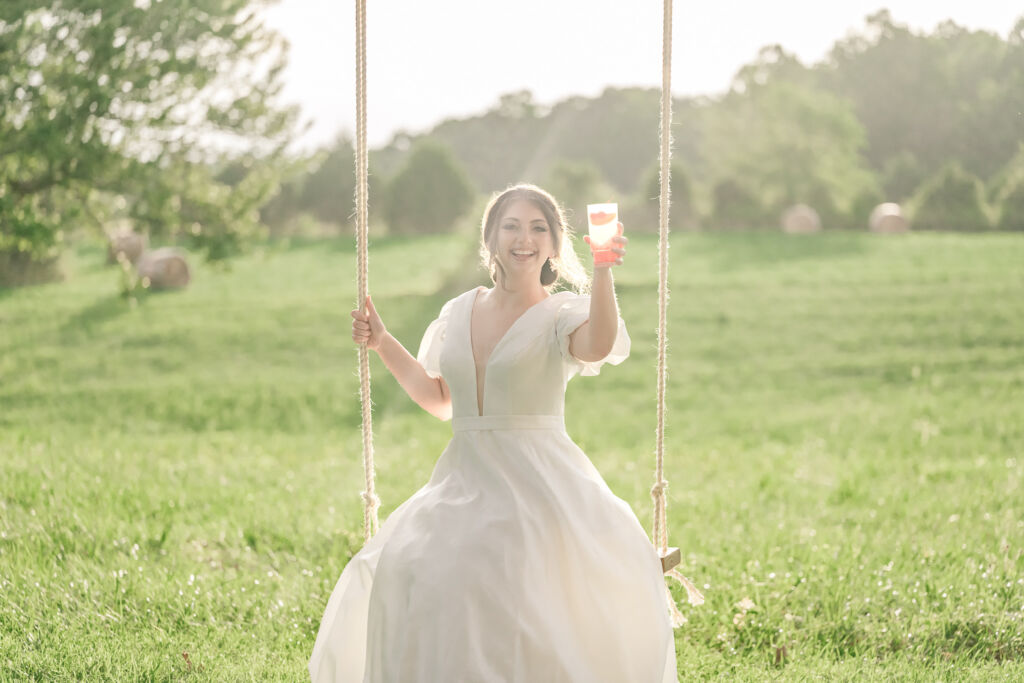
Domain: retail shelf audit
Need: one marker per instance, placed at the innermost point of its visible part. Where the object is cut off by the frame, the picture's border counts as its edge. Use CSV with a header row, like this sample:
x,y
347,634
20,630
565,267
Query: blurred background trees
x,y
882,118
429,193
951,199
797,144
162,117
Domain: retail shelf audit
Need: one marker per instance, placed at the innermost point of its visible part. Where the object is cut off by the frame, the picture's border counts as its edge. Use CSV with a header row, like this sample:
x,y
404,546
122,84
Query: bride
x,y
515,562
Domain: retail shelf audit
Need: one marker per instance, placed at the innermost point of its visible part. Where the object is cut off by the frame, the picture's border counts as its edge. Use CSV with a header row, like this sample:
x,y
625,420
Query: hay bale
x,y
127,241
800,218
888,217
164,268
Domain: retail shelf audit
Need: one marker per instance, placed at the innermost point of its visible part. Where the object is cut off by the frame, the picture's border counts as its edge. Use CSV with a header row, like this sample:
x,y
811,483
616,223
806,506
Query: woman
x,y
515,562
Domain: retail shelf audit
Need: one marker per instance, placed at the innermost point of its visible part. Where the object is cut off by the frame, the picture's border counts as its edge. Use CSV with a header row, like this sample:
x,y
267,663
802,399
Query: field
x,y
179,479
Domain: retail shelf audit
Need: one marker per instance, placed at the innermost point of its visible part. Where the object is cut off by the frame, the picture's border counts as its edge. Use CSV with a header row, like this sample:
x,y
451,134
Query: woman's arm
x,y
429,393
594,339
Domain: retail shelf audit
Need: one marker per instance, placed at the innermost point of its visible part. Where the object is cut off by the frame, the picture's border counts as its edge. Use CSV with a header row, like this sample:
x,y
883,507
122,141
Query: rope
x,y
660,535
658,490
370,500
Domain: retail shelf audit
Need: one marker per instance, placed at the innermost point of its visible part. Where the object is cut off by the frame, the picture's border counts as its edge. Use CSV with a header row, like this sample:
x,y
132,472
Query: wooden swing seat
x,y
669,559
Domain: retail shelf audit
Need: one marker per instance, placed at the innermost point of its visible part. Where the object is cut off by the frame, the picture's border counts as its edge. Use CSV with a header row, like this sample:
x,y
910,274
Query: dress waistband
x,y
507,422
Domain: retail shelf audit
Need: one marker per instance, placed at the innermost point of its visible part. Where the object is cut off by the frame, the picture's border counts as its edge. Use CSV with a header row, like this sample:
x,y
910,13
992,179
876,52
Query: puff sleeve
x,y
429,355
571,315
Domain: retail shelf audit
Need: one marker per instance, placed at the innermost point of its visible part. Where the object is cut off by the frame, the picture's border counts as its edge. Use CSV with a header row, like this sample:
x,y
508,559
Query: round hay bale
x,y
165,268
800,218
127,241
888,217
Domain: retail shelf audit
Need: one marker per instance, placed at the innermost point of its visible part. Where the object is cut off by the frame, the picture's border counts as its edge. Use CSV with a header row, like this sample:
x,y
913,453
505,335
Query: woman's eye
x,y
540,228
509,226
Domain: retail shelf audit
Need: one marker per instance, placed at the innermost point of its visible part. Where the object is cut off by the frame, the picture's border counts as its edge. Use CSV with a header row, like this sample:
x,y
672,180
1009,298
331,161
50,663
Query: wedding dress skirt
x,y
515,562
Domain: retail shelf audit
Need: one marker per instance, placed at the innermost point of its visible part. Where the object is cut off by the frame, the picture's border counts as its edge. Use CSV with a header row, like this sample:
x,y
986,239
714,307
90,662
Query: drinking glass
x,y
603,223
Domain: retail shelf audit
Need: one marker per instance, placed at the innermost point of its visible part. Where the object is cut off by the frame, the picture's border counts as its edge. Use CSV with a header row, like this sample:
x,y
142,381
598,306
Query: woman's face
x,y
524,241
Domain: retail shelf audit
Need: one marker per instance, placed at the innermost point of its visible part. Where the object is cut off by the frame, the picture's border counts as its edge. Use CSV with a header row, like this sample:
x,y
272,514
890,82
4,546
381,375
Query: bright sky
x,y
428,61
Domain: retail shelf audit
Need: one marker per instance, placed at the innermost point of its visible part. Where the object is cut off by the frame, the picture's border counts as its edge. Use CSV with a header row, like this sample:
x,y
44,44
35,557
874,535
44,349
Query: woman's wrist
x,y
385,339
602,288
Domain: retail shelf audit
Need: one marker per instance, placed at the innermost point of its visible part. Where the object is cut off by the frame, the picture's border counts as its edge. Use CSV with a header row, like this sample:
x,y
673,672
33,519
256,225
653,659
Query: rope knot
x,y
370,500
659,488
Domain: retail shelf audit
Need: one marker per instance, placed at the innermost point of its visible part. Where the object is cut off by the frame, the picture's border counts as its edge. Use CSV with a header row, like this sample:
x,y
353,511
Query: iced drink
x,y
603,221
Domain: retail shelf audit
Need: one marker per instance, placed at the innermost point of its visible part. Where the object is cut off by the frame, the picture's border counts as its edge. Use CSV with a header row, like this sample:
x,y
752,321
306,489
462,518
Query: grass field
x,y
180,479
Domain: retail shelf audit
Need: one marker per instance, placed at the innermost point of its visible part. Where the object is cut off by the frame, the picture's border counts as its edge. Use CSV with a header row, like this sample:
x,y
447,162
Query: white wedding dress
x,y
515,563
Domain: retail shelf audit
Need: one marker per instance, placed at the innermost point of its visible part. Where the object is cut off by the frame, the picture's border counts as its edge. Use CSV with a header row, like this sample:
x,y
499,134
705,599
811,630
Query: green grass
x,y
846,421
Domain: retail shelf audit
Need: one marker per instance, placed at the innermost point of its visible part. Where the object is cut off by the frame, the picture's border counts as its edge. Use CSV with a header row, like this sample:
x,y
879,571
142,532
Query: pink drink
x,y
603,222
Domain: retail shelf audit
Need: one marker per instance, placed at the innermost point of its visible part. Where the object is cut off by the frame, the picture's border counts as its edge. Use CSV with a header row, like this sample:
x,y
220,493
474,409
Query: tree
x,y
575,184
429,194
952,199
1011,208
948,95
328,192
772,65
681,211
130,107
737,208
496,148
1008,189
859,215
789,143
320,186
1008,177
616,133
901,175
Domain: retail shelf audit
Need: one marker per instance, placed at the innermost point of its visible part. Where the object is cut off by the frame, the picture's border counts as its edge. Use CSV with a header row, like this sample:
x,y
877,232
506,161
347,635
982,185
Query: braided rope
x,y
660,535
370,500
658,490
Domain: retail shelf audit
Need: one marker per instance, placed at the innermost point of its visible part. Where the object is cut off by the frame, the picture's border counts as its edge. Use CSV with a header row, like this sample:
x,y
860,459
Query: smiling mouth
x,y
523,255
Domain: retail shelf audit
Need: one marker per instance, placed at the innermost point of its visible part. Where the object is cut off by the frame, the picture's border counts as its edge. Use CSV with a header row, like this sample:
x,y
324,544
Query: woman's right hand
x,y
367,327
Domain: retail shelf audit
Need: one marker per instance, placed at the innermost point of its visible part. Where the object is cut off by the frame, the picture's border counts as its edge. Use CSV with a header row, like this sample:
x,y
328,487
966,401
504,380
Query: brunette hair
x,y
564,265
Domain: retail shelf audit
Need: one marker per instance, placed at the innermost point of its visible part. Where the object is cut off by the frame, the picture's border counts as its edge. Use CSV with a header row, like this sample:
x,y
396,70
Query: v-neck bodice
x,y
480,369
527,370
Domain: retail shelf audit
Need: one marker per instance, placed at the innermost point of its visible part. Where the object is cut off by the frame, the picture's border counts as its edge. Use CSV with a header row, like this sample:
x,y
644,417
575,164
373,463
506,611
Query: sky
x,y
427,61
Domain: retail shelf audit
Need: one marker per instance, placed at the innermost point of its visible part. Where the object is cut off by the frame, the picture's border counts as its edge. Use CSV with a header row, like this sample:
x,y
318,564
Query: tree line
x,y
931,120
164,118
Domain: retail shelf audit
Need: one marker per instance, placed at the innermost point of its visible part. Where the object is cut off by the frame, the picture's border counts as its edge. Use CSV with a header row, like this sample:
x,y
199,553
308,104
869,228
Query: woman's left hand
x,y
619,248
